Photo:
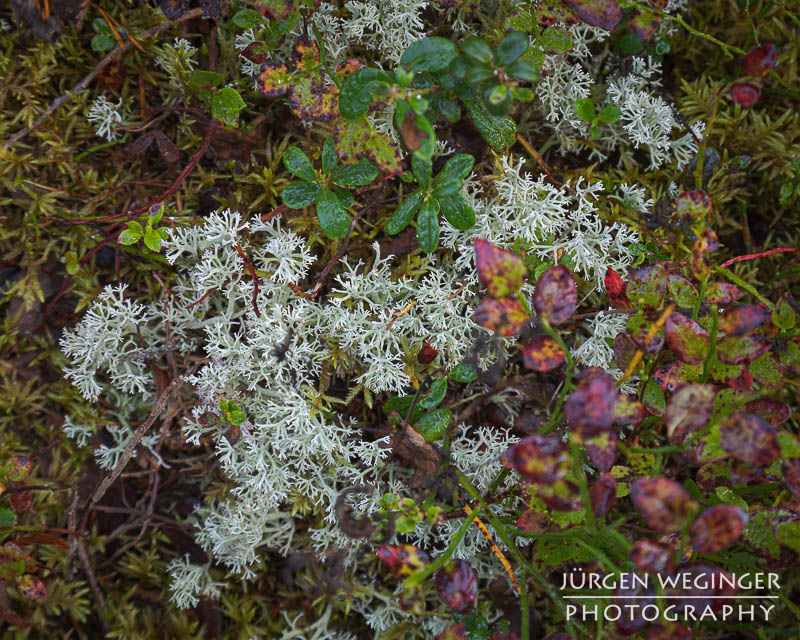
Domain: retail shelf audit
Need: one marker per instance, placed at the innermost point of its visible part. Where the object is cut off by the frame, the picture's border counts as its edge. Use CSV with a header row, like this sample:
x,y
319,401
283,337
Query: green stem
x,y
105,145
726,48
580,476
711,356
417,577
700,297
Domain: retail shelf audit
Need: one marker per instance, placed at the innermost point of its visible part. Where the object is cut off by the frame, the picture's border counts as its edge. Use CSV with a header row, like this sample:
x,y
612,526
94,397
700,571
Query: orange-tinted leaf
x,y
686,338
274,80
457,585
739,349
556,295
688,410
774,412
542,354
402,560
502,272
504,317
313,101
605,14
603,494
31,587
742,319
749,438
722,293
653,556
590,407
540,459
602,449
671,376
628,410
791,475
305,55
662,502
717,527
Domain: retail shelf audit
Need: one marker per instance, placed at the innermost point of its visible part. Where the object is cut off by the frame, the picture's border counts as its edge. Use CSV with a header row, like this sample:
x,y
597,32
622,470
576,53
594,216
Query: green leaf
x,y
477,72
476,49
429,54
630,44
498,99
298,164
206,79
556,39
404,213
433,424
132,234
596,131
510,48
585,109
428,225
329,157
247,19
456,211
333,219
449,109
783,316
237,417
524,70
355,175
152,239
345,197
71,262
226,104
609,113
300,194
358,91
436,394
422,170
788,533
446,187
522,94
101,42
497,130
456,167
464,373
427,138
101,26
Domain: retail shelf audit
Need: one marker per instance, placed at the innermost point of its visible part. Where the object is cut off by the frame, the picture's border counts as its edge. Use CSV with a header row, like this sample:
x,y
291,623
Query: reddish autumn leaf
x,y
693,205
542,354
502,272
274,80
742,319
12,617
531,520
402,560
590,407
749,438
412,600
605,14
712,475
662,502
639,327
457,585
557,635
556,295
628,410
745,93
791,475
562,495
20,501
743,473
14,561
603,494
538,458
41,537
702,586
648,286
644,23
653,556
602,450
31,587
669,631
681,291
17,468
616,289
688,410
717,527
759,61
739,349
686,338
427,354
675,374
722,293
624,349
504,317
743,382
774,412
255,52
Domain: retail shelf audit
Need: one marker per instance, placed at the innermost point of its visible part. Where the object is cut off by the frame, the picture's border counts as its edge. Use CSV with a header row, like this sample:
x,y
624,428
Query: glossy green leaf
x,y
464,373
298,164
152,239
585,109
429,54
226,103
358,91
132,234
436,394
329,157
300,194
609,113
456,211
446,187
524,70
498,131
476,49
422,170
404,213
456,167
433,425
428,225
247,18
510,48
355,175
333,219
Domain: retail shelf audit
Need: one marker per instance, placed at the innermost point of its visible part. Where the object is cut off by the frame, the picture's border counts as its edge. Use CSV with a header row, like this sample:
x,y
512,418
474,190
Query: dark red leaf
x,y
402,560
31,587
556,295
742,319
457,585
538,458
20,501
590,407
602,450
749,438
774,412
12,617
141,144
624,349
255,52
168,151
616,290
653,556
686,338
531,520
603,494
41,537
745,93
628,410
542,354
648,286
688,410
717,527
502,272
563,495
427,354
605,14
504,317
791,475
662,502
759,61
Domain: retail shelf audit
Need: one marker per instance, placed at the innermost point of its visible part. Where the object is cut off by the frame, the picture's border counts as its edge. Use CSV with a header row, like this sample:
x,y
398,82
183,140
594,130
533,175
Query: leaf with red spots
x,y
749,438
605,14
759,61
556,295
791,475
356,139
745,93
538,458
693,205
542,354
504,317
313,101
713,474
628,410
31,587
688,410
742,319
402,560
616,289
722,293
590,407
774,412
648,286
457,585
717,527
274,80
686,338
602,449
502,272
603,494
739,349
652,556
17,468
662,502
671,376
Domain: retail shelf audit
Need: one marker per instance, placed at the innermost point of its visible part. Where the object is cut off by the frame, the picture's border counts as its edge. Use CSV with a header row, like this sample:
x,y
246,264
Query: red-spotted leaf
x,y
688,410
602,449
749,438
722,293
274,80
590,407
402,560
457,585
605,14
759,61
540,459
742,319
502,272
693,205
31,587
603,494
791,475
686,338
542,354
774,412
662,502
739,349
504,317
717,527
616,289
671,376
556,295
713,474
652,556
745,93
648,286
17,468
628,410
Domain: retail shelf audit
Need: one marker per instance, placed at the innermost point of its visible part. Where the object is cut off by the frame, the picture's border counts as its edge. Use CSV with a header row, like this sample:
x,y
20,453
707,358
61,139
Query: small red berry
x,y
745,93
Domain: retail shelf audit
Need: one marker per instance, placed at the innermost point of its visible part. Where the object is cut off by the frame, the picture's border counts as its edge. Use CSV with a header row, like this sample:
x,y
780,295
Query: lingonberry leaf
x,y
738,349
662,502
652,556
791,475
603,494
686,338
759,61
542,354
556,295
402,560
749,438
745,93
774,412
688,410
31,587
538,458
647,286
722,293
717,527
742,319
457,585
605,14
590,407
429,54
602,449
504,317
624,349
645,23
502,272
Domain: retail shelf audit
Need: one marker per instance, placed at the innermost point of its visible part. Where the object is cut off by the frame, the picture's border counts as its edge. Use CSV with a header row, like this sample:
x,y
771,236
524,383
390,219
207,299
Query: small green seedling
x,y
587,112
